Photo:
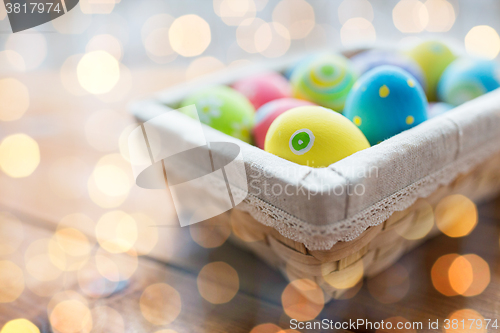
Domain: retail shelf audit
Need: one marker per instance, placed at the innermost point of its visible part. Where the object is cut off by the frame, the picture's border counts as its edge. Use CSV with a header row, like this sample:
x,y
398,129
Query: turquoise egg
x,y
465,79
384,102
325,81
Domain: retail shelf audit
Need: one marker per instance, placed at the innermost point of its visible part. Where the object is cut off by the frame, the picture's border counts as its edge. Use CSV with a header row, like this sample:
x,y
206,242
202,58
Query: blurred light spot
x,y
107,319
98,72
97,6
155,38
480,275
69,77
210,233
349,293
456,216
202,66
266,328
246,34
93,284
468,316
395,321
71,316
38,261
147,233
121,90
66,295
272,40
233,12
116,267
189,35
20,325
11,281
111,180
296,16
218,282
440,276
116,231
101,199
482,40
302,299
103,129
160,304
73,242
11,233
349,9
14,99
357,31
11,60
441,15
105,42
19,155
61,177
32,47
423,223
77,221
391,285
46,288
73,22
410,16
460,274
346,278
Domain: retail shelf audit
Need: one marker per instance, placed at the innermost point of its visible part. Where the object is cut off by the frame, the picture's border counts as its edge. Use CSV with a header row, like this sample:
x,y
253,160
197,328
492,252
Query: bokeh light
x,y
441,15
20,325
14,99
272,40
483,41
423,223
19,155
32,47
155,38
302,299
233,12
98,72
105,42
116,231
456,216
11,281
69,76
160,304
349,9
189,35
391,285
460,274
440,276
473,321
346,278
266,328
71,316
410,16
107,319
116,267
246,34
480,275
202,66
73,22
218,282
210,233
11,61
357,31
296,16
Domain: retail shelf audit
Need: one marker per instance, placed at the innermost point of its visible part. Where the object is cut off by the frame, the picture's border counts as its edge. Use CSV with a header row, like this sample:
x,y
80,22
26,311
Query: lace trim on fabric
x,y
323,237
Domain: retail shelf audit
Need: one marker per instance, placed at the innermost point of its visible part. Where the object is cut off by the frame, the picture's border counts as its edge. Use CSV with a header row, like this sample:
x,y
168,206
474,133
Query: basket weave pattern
x,y
375,250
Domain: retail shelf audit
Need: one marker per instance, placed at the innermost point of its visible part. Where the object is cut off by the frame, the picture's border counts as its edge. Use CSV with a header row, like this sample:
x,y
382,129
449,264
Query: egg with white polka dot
x,y
384,102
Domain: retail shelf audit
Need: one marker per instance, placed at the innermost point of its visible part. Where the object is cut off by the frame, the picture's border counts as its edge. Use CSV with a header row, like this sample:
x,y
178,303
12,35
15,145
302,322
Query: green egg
x,y
224,109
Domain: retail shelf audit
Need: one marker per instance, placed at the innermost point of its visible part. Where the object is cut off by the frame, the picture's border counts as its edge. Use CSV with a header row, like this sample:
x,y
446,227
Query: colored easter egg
x,y
384,102
299,64
263,88
325,81
436,109
268,112
368,60
224,109
466,79
314,136
433,57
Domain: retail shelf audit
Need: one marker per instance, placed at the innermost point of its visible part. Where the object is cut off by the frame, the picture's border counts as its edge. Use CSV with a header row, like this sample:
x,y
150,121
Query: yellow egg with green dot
x,y
433,57
314,136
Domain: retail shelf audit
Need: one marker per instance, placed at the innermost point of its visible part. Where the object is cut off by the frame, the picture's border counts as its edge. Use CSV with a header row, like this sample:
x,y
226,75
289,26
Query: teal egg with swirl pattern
x,y
325,81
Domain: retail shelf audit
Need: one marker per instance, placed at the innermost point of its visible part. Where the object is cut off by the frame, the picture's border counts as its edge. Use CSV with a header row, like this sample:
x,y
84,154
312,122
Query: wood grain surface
x,y
173,256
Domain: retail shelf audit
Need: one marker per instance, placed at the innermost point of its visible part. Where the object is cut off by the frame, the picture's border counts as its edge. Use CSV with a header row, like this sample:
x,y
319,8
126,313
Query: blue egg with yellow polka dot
x,y
465,79
384,102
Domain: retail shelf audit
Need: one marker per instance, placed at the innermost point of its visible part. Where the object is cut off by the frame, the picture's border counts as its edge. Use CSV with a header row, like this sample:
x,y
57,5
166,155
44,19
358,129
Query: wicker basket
x,y
352,236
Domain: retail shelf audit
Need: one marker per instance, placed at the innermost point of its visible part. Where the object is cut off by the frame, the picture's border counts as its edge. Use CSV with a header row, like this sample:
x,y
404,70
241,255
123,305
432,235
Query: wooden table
x,y
59,187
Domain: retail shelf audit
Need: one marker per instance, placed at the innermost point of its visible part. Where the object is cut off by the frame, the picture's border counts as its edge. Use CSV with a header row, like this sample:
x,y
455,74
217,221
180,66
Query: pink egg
x,y
263,88
268,112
